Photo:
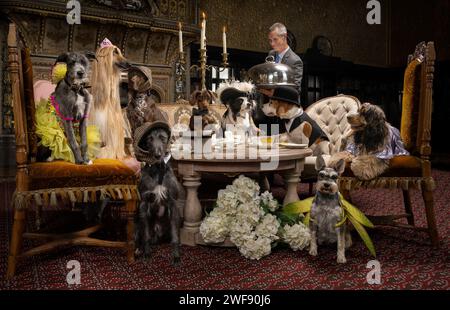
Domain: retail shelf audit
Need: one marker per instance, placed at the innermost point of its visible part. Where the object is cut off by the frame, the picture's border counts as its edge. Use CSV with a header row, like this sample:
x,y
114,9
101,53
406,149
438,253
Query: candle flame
x,y
179,26
203,15
224,28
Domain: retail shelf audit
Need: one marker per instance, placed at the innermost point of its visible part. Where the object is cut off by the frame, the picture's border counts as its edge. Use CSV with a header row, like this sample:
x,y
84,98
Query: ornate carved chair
x,y
414,171
331,115
43,184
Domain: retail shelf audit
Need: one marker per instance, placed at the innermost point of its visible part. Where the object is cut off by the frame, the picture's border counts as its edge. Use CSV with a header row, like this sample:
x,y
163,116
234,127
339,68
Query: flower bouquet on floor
x,y
251,222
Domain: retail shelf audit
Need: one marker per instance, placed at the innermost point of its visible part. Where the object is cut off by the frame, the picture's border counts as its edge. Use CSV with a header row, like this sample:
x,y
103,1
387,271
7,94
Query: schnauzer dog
x,y
326,211
72,101
158,216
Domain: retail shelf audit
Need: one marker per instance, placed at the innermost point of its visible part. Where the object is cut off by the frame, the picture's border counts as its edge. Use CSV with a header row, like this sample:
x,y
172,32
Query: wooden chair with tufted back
x,y
414,171
331,115
47,184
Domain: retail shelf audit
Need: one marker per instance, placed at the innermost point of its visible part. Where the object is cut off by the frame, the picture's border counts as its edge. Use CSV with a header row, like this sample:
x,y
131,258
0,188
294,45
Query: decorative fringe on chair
x,y
48,197
405,183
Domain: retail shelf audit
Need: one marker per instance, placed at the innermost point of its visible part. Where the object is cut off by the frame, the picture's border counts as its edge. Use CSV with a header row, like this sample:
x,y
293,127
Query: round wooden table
x,y
288,162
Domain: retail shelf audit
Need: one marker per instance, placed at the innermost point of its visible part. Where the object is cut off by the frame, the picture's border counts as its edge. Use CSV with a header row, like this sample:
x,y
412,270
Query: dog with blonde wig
x,y
106,111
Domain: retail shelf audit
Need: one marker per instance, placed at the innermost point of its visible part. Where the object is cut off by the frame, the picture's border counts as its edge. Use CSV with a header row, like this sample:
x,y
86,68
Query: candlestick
x,y
224,39
225,60
203,32
180,37
203,67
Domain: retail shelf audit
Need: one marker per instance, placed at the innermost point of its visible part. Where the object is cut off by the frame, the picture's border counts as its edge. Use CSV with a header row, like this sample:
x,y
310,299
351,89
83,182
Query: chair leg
x,y
310,190
346,194
431,220
131,210
408,207
16,242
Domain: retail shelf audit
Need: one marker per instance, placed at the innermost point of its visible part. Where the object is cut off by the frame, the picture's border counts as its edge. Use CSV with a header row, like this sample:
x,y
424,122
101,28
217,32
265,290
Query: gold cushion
x,y
410,104
59,174
399,166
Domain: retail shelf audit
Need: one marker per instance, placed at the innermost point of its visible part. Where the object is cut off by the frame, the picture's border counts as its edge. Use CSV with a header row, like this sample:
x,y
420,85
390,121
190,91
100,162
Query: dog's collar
x,y
165,159
55,104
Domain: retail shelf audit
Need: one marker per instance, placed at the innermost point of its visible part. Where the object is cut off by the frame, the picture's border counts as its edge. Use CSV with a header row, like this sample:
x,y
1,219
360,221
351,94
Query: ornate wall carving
x,y
6,119
145,30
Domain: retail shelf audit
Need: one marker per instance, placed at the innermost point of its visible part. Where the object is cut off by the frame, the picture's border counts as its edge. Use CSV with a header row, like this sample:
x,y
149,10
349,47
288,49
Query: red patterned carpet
x,y
407,262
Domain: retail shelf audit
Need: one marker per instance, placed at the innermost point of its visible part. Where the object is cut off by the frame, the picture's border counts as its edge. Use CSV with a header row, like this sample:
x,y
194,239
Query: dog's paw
x,y
368,167
341,259
313,251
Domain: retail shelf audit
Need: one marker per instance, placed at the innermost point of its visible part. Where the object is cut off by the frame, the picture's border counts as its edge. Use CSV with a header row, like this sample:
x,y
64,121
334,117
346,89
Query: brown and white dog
x,y
201,99
106,111
371,143
141,108
299,127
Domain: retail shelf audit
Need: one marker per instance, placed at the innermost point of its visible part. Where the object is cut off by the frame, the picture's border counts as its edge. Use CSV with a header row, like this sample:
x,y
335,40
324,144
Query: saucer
x,y
293,145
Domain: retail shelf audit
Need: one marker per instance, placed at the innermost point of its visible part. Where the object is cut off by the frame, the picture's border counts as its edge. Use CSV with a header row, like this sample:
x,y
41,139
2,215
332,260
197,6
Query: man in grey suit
x,y
283,53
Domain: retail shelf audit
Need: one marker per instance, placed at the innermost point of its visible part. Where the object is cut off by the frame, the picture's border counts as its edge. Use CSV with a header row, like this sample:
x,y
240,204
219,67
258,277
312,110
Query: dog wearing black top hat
x,y
238,98
300,128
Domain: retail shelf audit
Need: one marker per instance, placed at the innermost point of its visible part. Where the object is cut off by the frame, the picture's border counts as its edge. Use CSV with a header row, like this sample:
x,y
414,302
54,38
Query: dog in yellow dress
x,y
50,129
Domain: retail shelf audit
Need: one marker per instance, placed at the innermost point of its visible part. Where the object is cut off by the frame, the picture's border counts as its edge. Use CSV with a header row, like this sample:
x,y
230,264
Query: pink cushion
x,y
43,90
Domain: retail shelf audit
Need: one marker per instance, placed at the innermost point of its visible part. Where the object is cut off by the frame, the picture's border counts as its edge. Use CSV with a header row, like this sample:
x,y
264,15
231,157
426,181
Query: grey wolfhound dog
x,y
73,101
158,218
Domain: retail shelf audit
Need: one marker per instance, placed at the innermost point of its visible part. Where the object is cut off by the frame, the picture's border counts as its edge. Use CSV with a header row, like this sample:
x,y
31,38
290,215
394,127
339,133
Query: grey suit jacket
x,y
294,61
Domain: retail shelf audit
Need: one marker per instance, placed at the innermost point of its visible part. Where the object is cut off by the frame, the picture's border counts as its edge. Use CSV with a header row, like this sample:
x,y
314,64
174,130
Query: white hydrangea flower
x,y
245,182
266,197
241,232
220,212
246,196
268,227
268,200
249,212
297,236
256,248
214,229
227,199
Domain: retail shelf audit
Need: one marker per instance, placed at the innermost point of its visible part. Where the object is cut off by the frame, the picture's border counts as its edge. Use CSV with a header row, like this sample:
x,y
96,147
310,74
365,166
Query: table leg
x,y
291,179
192,210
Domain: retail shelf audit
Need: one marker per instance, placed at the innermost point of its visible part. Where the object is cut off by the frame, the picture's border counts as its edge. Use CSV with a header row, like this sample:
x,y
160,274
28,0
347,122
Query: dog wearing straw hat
x,y
159,213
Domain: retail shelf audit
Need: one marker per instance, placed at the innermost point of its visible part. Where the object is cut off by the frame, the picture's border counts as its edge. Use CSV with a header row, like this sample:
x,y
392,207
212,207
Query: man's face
x,y
277,42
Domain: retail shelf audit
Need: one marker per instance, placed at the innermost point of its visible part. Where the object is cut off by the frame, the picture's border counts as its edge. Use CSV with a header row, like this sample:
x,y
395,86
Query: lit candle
x,y
180,37
224,39
203,32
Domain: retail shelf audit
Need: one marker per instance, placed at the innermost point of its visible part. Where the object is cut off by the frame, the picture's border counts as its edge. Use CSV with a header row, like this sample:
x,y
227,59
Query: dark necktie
x,y
277,59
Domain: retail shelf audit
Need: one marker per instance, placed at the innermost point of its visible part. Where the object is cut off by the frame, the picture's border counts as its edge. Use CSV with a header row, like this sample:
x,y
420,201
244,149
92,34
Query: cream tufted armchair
x,y
331,115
